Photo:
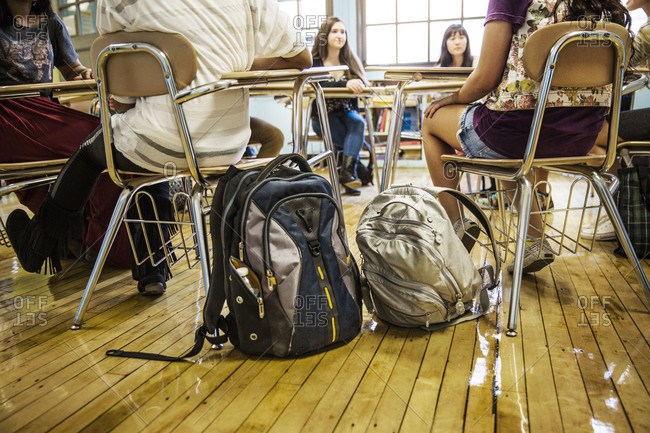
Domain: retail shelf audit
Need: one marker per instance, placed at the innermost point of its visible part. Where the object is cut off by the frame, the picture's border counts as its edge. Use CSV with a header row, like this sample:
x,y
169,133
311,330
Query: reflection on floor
x,y
581,361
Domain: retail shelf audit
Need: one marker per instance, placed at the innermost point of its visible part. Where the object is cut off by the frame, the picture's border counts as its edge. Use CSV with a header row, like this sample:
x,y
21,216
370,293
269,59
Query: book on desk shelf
x,y
409,120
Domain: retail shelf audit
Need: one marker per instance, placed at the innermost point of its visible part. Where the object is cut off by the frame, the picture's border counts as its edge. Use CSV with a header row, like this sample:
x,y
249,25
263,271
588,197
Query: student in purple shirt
x,y
498,128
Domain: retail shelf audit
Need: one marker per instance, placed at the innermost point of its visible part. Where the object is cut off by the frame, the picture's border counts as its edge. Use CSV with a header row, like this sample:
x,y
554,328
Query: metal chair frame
x,y
202,178
596,176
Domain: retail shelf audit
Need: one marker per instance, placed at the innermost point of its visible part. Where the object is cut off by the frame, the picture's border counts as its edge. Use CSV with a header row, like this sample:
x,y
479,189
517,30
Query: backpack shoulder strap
x,y
213,321
485,223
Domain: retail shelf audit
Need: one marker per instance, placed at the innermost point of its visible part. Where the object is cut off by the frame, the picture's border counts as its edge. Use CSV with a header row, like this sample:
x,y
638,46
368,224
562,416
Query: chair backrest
x,y
139,73
574,60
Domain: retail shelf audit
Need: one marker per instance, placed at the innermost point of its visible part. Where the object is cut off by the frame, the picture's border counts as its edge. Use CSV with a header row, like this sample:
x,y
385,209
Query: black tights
x,y
76,181
79,175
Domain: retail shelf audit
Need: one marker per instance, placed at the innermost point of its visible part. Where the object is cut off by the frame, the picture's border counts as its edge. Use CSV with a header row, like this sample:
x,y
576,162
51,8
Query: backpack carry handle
x,y
302,163
401,202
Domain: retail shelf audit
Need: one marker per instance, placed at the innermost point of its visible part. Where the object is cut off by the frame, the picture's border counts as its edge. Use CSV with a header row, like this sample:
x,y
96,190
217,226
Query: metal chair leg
x,y
526,192
201,236
612,211
109,237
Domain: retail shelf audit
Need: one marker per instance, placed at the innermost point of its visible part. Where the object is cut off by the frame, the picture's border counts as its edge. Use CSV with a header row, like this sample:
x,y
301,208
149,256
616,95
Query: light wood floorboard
x,y
580,362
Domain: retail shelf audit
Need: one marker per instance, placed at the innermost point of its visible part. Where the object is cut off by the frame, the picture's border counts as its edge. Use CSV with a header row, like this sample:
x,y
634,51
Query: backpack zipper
x,y
247,202
444,270
405,283
265,232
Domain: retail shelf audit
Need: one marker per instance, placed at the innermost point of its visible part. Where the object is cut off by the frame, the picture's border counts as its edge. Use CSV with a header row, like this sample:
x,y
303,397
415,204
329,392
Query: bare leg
x,y
600,148
439,138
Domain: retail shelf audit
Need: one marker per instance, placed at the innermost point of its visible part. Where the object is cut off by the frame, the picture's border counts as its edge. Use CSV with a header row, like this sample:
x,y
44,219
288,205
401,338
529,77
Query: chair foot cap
x,y
511,333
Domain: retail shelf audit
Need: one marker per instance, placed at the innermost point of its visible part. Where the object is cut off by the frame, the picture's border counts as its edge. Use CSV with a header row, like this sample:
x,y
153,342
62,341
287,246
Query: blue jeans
x,y
469,139
347,130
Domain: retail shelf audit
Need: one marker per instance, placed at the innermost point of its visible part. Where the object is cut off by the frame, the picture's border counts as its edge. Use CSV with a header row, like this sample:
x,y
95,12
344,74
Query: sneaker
x,y
152,285
467,231
488,202
153,289
545,202
534,259
351,191
605,229
492,202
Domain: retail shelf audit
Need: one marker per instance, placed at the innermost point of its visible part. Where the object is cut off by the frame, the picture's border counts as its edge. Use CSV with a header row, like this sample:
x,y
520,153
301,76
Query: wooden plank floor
x,y
581,360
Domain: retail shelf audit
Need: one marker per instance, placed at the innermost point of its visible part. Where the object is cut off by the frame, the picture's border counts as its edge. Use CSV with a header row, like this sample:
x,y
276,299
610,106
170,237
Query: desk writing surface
x,y
282,74
417,73
76,87
329,92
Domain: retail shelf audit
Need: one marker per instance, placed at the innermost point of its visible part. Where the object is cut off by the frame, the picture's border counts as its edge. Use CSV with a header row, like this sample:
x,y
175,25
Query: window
x,y
78,16
307,15
410,32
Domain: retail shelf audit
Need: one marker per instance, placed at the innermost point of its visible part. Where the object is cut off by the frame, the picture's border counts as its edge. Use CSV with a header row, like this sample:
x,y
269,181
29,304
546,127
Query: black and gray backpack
x,y
281,263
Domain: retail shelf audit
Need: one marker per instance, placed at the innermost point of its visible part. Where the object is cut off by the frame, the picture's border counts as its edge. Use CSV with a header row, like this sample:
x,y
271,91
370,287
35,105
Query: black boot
x,y
146,237
41,243
347,177
350,191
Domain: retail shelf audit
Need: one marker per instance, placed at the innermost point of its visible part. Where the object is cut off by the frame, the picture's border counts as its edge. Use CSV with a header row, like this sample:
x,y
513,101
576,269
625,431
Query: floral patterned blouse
x,y
518,91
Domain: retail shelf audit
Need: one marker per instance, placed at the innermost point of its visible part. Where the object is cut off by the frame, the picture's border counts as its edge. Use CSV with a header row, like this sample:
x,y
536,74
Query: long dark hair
x,y
596,10
346,56
39,7
446,59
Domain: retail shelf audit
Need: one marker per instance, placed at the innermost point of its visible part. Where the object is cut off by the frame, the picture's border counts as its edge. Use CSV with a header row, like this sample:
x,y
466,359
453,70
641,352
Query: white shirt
x,y
227,35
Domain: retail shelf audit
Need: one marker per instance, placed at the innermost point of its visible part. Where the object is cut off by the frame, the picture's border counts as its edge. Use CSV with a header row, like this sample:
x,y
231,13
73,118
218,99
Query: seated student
x,y
633,124
259,36
33,41
455,50
346,124
499,127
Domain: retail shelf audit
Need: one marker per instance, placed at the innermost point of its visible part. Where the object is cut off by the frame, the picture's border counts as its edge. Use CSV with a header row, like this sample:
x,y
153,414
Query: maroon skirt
x,y
36,129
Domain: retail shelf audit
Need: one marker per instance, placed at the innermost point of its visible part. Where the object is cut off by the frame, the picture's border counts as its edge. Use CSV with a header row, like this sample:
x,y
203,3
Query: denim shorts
x,y
469,139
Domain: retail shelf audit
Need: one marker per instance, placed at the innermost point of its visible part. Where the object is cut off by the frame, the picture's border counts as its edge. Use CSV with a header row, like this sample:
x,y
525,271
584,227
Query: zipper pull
x,y
270,280
427,322
241,251
314,248
260,306
460,307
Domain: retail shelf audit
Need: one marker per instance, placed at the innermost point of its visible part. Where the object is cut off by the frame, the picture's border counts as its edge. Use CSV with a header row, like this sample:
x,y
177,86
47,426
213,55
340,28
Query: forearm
x,y
299,61
473,89
492,62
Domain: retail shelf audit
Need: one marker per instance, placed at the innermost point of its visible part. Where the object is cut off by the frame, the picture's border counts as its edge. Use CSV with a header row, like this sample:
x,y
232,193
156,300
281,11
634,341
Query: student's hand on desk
x,y
435,105
84,74
356,85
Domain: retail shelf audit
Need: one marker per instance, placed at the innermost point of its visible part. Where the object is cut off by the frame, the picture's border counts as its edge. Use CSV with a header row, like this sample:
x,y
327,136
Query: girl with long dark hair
x,y
331,48
455,50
